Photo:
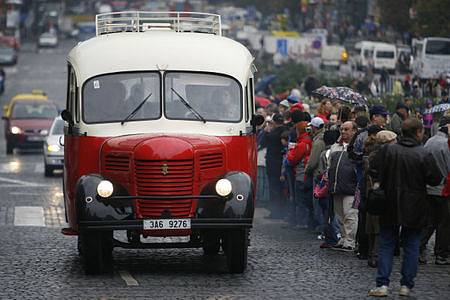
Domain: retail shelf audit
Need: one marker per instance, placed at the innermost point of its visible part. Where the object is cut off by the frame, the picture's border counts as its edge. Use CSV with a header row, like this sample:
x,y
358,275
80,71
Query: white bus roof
x,y
160,50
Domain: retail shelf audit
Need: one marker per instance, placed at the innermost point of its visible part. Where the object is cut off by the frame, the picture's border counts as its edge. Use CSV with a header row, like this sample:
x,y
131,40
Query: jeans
x,y
410,242
330,228
301,210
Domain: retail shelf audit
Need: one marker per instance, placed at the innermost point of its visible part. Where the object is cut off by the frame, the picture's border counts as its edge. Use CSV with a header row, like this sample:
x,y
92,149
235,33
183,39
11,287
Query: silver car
x,y
54,147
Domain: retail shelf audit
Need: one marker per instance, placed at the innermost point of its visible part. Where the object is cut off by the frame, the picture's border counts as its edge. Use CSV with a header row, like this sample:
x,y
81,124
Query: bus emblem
x,y
165,169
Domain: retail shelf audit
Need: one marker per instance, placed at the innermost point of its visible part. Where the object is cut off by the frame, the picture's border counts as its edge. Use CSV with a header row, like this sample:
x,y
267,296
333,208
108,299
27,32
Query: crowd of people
x,y
366,182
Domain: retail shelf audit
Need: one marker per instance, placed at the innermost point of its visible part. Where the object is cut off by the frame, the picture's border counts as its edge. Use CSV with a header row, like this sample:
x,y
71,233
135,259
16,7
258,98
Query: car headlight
x,y
44,132
15,130
53,148
223,187
105,188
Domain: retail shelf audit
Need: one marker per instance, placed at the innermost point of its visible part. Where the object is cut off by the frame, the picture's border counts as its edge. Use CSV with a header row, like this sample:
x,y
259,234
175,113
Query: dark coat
x,y
341,174
274,154
406,169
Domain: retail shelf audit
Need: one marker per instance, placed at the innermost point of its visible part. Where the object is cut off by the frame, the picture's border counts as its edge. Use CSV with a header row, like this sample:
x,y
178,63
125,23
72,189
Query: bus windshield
x,y
211,97
436,47
112,97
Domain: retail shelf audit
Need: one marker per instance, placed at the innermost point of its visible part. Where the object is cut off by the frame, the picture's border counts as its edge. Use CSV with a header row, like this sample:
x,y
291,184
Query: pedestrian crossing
x,y
33,216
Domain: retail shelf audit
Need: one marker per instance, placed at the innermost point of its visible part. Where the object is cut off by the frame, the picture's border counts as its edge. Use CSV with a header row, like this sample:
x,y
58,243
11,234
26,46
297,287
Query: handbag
x,y
320,189
376,201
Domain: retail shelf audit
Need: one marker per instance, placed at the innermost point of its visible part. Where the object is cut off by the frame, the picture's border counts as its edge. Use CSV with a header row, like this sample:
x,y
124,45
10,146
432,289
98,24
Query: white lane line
x,y
129,280
20,182
29,216
24,194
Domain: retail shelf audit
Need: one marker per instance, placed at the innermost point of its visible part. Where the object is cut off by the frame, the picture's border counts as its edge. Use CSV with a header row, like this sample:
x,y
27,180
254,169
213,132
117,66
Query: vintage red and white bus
x,y
159,137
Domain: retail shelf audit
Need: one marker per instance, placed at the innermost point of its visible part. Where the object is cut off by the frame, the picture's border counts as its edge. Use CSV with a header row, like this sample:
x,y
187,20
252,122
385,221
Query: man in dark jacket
x,y
406,170
274,157
342,185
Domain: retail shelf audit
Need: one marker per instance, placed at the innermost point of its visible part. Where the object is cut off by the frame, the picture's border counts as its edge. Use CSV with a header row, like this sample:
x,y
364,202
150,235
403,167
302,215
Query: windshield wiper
x,y
196,114
136,109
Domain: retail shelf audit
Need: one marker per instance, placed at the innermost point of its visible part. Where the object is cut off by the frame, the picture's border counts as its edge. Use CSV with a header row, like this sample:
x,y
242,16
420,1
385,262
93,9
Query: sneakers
x,y
442,261
343,248
379,291
404,291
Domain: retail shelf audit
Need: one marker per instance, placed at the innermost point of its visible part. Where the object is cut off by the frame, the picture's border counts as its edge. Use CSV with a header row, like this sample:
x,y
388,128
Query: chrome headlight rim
x,y
223,187
105,188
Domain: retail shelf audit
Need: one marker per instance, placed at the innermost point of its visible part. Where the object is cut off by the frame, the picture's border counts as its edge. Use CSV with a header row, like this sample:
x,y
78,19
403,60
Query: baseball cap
x,y
285,103
316,122
293,99
378,109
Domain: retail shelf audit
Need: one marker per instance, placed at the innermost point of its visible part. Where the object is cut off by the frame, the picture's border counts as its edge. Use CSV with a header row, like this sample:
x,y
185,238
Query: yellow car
x,y
28,118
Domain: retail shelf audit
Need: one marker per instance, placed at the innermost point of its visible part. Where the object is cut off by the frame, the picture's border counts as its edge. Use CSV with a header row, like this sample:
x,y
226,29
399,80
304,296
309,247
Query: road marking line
x,y
20,182
129,280
24,194
29,216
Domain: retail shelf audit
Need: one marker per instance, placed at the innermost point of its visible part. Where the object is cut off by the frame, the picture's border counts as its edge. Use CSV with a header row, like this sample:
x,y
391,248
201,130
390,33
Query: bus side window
x,y
251,97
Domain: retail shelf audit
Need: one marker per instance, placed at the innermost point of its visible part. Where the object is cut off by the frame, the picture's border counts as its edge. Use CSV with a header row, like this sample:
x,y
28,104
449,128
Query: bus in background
x,y
431,57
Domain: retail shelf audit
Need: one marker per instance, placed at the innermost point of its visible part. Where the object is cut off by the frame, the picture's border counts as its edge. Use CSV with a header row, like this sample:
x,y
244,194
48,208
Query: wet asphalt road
x,y
38,262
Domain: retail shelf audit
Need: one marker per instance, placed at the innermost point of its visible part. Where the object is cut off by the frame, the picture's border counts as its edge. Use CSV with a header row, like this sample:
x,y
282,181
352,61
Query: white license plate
x,y
158,224
35,138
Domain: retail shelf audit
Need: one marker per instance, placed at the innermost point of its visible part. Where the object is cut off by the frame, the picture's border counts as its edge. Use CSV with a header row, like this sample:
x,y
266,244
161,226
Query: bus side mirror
x,y
67,116
257,120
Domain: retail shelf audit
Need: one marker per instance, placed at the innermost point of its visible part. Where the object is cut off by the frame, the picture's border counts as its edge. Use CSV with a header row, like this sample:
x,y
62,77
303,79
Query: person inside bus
x,y
226,104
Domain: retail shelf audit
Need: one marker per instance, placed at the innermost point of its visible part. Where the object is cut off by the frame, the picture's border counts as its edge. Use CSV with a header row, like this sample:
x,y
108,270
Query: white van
x,y
364,54
384,56
431,57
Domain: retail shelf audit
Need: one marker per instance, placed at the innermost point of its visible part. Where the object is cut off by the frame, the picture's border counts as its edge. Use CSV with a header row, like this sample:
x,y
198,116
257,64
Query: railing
x,y
137,21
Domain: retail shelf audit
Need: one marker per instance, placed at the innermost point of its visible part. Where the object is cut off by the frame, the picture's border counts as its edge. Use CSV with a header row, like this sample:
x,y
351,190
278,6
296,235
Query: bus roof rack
x,y
140,21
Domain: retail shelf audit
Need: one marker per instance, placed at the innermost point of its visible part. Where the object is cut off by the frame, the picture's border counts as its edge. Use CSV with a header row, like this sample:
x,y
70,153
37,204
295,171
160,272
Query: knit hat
x,y
386,136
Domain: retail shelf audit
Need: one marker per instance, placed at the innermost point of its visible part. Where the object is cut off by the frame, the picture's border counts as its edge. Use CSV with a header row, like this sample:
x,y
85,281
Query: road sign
x,y
282,47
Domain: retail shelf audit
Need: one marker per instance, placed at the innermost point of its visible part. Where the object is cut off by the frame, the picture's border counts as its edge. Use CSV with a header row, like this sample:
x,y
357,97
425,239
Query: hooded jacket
x,y
312,168
406,170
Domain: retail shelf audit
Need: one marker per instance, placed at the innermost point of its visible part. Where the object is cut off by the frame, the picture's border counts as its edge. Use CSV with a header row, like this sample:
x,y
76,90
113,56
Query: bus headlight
x,y
223,187
105,188
15,130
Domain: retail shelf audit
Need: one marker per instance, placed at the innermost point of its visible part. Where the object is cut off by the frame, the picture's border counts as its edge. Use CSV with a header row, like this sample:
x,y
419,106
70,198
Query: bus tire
x,y
236,250
96,250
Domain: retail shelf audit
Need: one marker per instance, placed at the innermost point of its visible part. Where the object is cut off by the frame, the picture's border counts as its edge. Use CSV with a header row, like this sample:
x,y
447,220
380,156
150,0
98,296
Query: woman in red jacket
x,y
297,157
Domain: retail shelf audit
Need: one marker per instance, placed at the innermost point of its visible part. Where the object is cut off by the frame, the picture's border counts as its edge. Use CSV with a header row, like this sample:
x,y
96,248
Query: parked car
x,y
9,38
28,118
48,39
54,147
8,55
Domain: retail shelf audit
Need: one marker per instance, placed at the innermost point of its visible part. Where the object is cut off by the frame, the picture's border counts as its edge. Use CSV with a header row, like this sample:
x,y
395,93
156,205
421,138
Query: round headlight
x,y
105,188
44,132
223,187
15,130
53,148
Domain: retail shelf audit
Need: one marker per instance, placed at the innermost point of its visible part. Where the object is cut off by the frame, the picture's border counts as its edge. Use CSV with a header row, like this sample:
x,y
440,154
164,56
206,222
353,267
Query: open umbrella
x,y
341,93
261,101
440,108
264,82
